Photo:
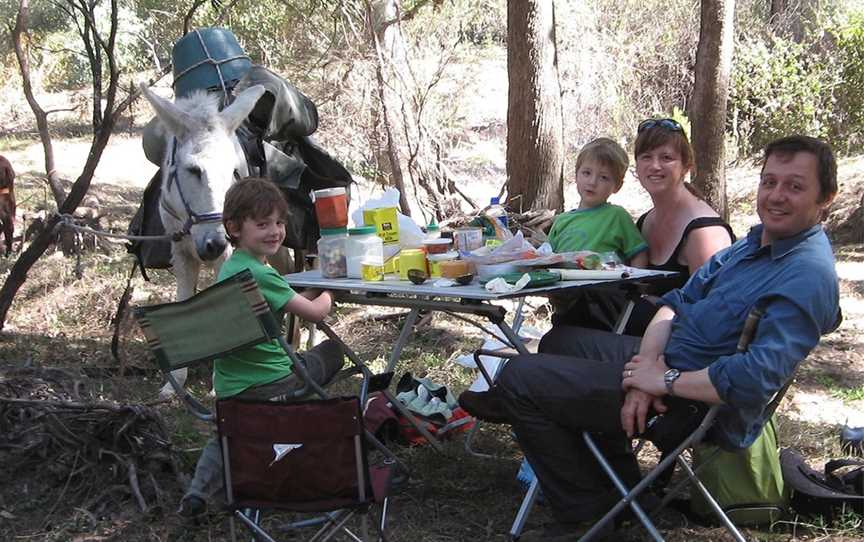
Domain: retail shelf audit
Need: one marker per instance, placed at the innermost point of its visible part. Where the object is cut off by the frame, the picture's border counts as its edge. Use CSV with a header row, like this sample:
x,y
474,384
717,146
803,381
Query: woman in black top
x,y
682,230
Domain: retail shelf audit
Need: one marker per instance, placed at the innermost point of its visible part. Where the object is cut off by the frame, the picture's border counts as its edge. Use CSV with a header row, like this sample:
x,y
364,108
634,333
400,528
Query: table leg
x,y
513,337
621,324
397,404
402,340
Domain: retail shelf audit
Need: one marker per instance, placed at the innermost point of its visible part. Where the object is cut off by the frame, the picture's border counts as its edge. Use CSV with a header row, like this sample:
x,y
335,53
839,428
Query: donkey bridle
x,y
192,218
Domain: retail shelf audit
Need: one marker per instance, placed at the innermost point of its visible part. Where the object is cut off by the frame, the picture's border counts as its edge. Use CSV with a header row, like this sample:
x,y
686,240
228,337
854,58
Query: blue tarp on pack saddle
x,y
275,139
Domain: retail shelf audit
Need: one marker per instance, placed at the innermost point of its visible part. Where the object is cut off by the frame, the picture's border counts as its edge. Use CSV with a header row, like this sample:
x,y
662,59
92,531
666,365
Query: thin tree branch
x,y
410,14
187,20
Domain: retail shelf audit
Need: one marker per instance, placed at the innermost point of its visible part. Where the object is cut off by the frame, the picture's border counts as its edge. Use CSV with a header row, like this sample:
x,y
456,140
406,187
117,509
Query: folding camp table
x,y
472,299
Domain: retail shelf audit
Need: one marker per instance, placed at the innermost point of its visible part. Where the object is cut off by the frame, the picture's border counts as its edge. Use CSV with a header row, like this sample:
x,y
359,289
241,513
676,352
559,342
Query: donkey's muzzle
x,y
210,246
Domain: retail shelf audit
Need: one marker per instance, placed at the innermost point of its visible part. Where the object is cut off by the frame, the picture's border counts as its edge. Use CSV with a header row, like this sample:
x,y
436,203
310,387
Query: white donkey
x,y
202,160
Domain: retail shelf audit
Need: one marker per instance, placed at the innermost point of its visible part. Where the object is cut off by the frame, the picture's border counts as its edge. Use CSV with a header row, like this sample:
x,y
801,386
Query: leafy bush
x,y
778,87
807,78
849,132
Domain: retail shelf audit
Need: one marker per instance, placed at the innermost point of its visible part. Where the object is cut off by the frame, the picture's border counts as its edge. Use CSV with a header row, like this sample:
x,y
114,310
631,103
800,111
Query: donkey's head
x,y
201,162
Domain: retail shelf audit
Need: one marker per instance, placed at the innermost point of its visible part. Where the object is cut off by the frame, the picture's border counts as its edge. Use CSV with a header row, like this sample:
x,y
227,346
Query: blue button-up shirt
x,y
794,281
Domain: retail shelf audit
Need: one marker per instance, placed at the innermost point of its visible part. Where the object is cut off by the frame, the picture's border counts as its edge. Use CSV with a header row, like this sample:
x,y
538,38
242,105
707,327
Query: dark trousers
x,y
552,397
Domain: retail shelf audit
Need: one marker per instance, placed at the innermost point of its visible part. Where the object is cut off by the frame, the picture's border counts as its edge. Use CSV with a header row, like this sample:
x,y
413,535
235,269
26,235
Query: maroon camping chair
x,y
307,457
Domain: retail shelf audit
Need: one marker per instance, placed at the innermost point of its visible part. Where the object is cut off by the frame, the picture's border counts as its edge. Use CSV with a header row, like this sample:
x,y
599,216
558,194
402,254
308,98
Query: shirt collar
x,y
589,209
781,247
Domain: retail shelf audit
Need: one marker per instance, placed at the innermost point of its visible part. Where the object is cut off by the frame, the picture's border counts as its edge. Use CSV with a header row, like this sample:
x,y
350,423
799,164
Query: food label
x,y
385,221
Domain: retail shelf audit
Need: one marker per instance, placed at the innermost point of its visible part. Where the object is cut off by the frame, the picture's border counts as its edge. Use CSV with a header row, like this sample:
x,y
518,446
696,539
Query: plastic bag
x,y
491,363
513,249
410,234
580,259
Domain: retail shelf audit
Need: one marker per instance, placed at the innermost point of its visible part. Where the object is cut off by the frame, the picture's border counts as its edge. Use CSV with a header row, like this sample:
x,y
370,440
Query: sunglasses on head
x,y
668,124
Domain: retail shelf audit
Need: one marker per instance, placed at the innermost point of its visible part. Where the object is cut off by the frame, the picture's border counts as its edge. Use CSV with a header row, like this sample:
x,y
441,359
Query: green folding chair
x,y
229,316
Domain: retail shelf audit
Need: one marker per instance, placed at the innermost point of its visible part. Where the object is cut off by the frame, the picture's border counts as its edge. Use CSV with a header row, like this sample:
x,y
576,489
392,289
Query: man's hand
x,y
645,373
635,410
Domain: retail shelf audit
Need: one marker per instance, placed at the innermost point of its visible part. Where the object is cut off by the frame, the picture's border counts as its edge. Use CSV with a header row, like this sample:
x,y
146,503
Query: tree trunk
x,y
708,103
535,149
101,135
40,114
393,157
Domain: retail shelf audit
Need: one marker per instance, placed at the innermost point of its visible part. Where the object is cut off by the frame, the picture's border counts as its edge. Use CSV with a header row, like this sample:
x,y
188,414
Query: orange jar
x,y
331,207
454,268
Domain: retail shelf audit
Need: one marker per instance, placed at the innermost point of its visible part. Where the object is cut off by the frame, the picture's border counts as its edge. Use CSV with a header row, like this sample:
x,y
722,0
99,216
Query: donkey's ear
x,y
236,113
176,120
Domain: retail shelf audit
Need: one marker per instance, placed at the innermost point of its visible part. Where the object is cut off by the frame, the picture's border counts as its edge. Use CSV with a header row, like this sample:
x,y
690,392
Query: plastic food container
x,y
411,258
363,246
437,246
468,239
371,272
331,253
490,271
435,261
454,268
331,207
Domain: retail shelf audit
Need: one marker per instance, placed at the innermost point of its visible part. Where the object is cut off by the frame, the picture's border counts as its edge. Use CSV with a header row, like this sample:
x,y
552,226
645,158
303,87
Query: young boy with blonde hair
x,y
254,219
597,225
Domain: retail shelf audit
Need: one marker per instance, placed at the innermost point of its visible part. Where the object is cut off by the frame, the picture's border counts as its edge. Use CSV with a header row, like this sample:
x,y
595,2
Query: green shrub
x,y
779,87
849,133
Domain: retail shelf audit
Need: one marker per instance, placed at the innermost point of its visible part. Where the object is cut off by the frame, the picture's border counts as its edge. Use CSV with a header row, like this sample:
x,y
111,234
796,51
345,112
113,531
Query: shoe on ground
x,y
486,406
191,507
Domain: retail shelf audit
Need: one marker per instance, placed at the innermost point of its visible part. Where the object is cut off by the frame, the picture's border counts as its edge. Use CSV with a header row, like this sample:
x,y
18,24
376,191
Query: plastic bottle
x,y
496,210
432,230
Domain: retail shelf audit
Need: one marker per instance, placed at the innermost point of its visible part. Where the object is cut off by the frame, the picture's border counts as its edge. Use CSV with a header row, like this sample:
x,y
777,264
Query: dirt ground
x,y
60,480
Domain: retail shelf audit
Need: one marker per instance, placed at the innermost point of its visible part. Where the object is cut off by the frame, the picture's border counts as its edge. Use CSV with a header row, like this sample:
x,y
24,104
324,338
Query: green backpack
x,y
748,484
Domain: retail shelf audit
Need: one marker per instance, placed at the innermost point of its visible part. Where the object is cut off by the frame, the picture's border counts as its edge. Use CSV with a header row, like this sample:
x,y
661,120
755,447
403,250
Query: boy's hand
x,y
311,293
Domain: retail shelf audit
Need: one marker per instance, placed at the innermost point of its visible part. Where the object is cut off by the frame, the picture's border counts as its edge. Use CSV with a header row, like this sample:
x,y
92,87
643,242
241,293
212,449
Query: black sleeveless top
x,y
672,263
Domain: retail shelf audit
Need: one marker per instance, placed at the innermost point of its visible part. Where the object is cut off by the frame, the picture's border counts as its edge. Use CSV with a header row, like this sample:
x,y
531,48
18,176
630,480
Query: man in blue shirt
x,y
784,266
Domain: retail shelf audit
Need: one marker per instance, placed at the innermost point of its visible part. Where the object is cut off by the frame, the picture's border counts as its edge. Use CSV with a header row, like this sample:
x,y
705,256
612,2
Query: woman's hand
x,y
645,373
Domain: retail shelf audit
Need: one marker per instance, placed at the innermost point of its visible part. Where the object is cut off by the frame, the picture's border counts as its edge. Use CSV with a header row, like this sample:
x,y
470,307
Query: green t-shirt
x,y
605,228
263,363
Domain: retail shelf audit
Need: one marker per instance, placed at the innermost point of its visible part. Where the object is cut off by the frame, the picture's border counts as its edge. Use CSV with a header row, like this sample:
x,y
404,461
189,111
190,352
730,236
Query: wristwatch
x,y
669,378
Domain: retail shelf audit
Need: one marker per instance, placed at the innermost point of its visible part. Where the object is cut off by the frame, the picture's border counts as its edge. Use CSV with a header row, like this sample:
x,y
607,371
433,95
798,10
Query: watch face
x,y
669,378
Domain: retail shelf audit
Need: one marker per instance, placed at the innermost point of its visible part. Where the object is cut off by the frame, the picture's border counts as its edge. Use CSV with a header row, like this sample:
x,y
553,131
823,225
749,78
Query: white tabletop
x,y
313,279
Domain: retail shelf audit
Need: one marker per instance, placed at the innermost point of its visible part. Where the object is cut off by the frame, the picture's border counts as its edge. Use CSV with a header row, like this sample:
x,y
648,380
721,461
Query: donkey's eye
x,y
194,170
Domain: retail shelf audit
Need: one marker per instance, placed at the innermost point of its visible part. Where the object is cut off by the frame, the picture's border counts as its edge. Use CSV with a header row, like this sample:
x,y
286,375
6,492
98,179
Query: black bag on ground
x,y
823,493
